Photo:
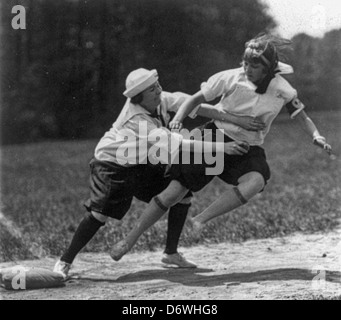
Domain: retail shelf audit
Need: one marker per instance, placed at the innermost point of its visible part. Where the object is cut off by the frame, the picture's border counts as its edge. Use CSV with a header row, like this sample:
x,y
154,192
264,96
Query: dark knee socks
x,y
84,233
176,220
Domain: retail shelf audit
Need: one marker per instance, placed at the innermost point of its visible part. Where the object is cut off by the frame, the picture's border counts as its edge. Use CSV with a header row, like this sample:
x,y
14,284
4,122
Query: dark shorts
x,y
112,187
194,177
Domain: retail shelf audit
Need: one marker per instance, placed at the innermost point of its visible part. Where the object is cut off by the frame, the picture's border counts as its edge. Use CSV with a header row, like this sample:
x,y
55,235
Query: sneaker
x,y
119,250
62,268
177,259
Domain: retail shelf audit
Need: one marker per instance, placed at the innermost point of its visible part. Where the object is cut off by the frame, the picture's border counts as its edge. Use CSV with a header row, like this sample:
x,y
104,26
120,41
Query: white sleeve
x,y
289,94
161,142
173,101
217,85
286,91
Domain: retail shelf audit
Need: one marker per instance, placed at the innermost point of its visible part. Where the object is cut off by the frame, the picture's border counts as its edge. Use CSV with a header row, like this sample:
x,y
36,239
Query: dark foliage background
x,y
63,76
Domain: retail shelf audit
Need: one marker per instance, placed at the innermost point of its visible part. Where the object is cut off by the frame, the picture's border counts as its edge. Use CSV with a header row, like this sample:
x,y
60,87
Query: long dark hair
x,y
266,49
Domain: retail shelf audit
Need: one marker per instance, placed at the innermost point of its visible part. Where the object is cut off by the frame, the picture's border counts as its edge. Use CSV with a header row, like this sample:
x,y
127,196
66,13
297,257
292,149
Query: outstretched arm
x,y
246,122
185,109
208,111
232,148
309,127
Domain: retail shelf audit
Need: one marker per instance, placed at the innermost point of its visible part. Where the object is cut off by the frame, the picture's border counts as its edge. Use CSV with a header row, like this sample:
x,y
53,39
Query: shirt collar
x,y
282,68
129,111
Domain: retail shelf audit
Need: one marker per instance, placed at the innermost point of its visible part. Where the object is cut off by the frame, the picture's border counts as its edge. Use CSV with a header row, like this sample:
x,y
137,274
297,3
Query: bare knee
x,y
173,194
250,184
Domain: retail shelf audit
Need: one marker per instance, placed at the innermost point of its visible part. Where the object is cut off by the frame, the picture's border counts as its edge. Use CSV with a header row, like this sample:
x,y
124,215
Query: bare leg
x,y
154,211
249,185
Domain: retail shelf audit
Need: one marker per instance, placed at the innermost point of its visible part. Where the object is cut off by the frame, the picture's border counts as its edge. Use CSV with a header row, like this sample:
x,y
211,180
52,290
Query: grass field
x,y
43,187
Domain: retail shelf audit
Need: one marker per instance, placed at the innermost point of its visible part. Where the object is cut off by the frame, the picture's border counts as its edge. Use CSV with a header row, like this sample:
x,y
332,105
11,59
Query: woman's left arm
x,y
309,127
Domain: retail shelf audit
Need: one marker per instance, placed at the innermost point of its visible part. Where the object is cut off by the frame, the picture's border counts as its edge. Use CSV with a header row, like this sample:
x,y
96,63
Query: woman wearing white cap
x,y
256,89
122,166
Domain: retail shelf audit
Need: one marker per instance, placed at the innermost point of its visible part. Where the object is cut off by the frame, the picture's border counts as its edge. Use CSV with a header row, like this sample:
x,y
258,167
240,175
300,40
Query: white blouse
x,y
239,98
136,136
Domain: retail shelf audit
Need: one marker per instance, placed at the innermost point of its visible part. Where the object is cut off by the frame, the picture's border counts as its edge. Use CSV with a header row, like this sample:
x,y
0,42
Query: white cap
x,y
139,80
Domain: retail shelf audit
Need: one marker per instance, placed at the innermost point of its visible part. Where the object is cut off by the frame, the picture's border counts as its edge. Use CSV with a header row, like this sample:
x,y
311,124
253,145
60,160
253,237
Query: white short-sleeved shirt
x,y
239,98
136,136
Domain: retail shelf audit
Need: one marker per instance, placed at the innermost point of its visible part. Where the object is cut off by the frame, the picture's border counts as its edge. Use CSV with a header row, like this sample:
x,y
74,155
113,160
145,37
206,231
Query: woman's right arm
x,y
231,148
209,111
246,122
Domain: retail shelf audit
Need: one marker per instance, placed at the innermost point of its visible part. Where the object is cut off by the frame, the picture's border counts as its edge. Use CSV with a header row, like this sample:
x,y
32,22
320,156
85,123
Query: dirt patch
x,y
295,267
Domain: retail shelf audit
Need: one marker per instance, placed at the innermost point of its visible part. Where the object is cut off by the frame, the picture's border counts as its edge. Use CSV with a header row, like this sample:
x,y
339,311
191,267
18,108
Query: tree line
x,y
63,76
